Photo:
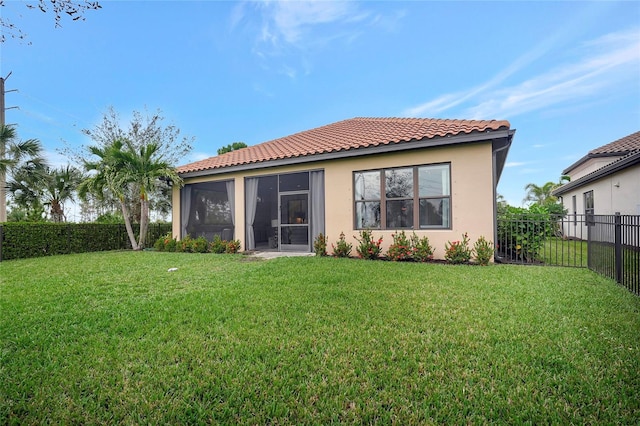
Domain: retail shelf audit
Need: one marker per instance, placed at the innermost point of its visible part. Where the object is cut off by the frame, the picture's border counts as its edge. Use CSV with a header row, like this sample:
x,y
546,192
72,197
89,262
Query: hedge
x,y
23,240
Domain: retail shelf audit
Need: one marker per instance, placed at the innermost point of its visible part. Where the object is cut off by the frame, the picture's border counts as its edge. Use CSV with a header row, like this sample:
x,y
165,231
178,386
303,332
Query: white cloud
x,y
609,61
295,29
515,163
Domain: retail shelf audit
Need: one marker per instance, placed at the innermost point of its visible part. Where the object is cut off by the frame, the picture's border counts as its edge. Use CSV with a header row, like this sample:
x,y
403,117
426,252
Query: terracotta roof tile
x,y
346,135
621,146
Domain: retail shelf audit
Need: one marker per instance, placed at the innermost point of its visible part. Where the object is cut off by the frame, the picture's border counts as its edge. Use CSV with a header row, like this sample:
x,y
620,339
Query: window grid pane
x,y
398,183
399,214
368,215
434,213
367,185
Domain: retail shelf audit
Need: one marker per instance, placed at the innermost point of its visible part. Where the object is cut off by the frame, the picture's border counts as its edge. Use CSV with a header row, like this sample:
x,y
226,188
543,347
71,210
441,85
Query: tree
x,y
33,189
16,155
73,9
543,195
122,167
143,129
231,147
59,186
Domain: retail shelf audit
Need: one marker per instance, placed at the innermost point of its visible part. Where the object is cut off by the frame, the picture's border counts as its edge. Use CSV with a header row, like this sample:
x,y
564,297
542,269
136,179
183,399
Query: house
x,y
433,176
603,182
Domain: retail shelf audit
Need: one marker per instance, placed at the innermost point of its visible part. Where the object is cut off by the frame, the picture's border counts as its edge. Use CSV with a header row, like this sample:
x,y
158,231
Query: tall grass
x,y
115,337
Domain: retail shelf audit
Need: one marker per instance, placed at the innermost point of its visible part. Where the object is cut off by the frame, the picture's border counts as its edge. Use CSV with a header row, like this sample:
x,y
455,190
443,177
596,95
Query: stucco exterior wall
x,y
591,165
618,192
472,193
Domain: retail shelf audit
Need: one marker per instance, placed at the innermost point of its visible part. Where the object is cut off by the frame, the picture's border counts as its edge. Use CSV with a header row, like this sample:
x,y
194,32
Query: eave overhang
x,y
607,170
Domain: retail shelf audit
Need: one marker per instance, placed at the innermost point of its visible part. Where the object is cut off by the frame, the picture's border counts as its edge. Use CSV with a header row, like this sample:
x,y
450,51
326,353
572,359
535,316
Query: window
x,y
403,198
588,207
575,210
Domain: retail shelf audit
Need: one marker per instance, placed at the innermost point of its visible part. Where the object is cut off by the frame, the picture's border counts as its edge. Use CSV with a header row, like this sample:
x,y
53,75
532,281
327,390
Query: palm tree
x,y
13,155
59,187
540,194
121,168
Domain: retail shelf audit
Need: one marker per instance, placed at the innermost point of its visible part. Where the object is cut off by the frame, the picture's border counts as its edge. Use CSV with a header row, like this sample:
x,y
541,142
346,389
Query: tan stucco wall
x,y
471,192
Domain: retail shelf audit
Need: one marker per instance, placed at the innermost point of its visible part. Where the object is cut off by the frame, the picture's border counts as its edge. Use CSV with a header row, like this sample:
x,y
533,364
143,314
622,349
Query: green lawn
x,y
563,252
114,337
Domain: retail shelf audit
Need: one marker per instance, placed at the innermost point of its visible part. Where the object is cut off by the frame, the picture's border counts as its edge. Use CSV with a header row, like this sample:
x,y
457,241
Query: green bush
x,y
184,245
217,245
368,248
342,247
401,248
422,250
482,251
320,245
200,245
522,232
232,247
21,240
458,251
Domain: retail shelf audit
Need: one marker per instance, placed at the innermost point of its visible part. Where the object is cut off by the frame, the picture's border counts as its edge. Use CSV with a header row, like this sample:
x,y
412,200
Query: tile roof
x,y
346,135
621,146
617,148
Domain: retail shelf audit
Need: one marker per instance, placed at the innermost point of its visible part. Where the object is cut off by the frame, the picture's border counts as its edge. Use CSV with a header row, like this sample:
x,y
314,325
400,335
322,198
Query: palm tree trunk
x,y
127,224
144,221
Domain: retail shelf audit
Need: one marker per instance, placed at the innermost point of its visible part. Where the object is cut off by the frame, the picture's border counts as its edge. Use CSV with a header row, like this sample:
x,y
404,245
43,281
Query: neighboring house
x,y
435,177
603,182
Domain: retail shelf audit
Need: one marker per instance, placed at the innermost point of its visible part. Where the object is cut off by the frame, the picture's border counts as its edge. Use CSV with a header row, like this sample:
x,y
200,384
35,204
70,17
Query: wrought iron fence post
x,y
618,247
589,245
1,239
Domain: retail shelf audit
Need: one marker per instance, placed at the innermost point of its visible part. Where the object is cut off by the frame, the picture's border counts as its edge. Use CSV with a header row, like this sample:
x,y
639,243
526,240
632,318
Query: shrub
x,y
422,250
342,247
482,251
217,245
200,245
232,246
171,245
522,232
163,242
401,248
458,251
184,245
320,245
367,247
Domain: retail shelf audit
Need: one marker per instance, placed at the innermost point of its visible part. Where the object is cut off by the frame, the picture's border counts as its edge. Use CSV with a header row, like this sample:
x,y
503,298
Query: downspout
x,y
495,195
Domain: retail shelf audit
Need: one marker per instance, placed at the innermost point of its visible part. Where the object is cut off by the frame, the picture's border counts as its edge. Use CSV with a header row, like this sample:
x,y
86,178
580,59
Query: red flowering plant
x,y
458,251
482,251
367,247
401,248
342,247
232,246
422,250
320,245
163,242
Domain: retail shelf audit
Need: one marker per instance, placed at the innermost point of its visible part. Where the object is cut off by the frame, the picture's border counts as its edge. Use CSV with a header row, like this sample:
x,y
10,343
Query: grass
x,y
564,252
107,338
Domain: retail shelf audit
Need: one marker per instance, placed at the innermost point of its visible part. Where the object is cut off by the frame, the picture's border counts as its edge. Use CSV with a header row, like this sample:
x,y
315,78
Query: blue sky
x,y
565,74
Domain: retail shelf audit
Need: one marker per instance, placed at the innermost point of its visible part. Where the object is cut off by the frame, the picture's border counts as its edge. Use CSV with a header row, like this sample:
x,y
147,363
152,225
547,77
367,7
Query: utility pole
x,y
3,176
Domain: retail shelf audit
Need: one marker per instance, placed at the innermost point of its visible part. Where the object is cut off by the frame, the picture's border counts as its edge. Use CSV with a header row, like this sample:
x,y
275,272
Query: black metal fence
x,y
606,244
614,248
